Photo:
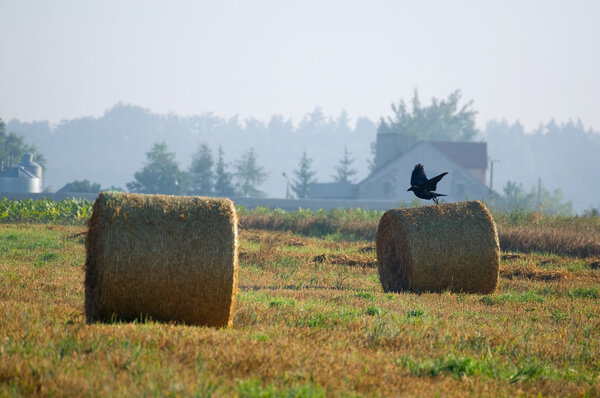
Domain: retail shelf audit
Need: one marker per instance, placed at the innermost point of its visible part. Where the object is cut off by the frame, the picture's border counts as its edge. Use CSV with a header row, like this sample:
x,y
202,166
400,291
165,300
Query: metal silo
x,y
19,180
31,166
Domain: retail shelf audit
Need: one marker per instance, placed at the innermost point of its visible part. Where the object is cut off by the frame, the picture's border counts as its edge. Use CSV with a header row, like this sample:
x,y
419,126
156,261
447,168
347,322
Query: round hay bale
x,y
450,246
166,258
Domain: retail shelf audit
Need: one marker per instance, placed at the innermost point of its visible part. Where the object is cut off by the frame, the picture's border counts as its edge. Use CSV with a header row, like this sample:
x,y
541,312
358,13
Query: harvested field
x,y
301,328
574,243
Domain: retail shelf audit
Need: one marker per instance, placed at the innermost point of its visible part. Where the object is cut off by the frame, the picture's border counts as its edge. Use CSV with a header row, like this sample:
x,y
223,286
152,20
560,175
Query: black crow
x,y
422,187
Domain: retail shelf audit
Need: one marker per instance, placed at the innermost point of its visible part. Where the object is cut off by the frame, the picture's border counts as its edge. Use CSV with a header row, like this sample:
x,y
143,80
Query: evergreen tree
x,y
344,171
249,175
201,173
304,176
223,186
161,174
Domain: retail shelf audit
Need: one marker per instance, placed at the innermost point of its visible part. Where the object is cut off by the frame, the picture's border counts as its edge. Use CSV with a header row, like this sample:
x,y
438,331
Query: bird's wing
x,y
432,184
418,176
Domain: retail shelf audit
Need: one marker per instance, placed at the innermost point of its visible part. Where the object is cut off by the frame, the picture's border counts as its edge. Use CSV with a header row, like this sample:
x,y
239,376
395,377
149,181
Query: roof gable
x,y
469,155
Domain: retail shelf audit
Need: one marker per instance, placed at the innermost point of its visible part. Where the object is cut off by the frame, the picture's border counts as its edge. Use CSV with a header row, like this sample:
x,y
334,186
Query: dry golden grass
x,y
301,328
567,241
311,225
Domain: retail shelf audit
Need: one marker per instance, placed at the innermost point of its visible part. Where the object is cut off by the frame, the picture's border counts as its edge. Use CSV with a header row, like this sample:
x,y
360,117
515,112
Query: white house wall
x,y
392,181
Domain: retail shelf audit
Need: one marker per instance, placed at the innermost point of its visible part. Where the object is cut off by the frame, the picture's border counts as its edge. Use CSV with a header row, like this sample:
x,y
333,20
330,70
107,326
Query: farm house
x,y
465,162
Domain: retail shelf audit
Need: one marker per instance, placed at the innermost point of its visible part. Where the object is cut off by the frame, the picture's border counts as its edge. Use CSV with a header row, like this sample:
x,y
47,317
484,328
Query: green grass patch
x,y
253,388
365,295
584,292
372,311
449,364
282,302
313,316
415,313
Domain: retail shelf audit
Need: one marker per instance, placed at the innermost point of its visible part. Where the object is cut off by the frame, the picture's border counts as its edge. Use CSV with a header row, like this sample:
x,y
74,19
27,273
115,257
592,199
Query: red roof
x,y
469,155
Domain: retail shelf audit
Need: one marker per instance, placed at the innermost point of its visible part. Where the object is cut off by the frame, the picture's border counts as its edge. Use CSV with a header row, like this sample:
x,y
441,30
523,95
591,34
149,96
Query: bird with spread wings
x,y
422,187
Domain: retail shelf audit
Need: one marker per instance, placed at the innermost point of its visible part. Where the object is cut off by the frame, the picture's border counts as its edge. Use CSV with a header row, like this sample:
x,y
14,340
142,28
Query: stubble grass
x,y
311,320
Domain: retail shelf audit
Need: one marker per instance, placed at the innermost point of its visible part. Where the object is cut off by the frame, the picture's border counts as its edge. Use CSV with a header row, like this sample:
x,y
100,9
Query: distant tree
x,y
279,125
515,198
223,185
13,147
83,186
249,175
441,121
304,176
342,123
560,153
345,172
114,189
201,173
161,174
315,123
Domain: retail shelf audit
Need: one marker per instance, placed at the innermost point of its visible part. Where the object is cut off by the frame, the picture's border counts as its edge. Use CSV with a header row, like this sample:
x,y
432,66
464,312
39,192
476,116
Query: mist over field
x,y
110,149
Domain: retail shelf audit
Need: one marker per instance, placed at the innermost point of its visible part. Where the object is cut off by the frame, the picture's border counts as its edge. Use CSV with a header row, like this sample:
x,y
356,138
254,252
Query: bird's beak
x,y
409,189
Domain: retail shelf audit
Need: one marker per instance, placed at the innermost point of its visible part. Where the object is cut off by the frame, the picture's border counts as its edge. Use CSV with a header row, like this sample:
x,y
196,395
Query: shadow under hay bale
x,y
450,246
166,258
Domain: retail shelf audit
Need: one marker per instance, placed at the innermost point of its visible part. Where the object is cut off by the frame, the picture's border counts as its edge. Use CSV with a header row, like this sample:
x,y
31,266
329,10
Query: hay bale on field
x,y
168,258
433,248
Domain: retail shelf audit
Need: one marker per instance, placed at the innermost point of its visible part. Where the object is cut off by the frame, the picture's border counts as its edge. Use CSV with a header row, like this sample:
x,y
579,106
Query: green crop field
x,y
311,319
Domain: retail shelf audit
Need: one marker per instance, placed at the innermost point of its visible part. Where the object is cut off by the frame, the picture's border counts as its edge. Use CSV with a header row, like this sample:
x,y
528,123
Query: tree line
x,y
560,154
207,176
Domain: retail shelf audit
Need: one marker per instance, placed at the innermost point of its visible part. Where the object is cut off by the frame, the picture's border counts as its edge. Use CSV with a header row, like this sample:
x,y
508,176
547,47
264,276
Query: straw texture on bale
x,y
450,246
166,258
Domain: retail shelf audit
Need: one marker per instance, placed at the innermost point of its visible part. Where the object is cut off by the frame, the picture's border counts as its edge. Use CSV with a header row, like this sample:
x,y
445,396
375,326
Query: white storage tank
x,y
19,180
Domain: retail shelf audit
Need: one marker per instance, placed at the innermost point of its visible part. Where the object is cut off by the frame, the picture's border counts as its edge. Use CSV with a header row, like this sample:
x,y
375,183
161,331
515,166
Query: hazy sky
x,y
525,59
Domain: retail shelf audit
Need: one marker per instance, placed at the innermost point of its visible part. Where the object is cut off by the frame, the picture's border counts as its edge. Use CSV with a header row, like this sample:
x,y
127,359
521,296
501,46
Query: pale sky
x,y
531,60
